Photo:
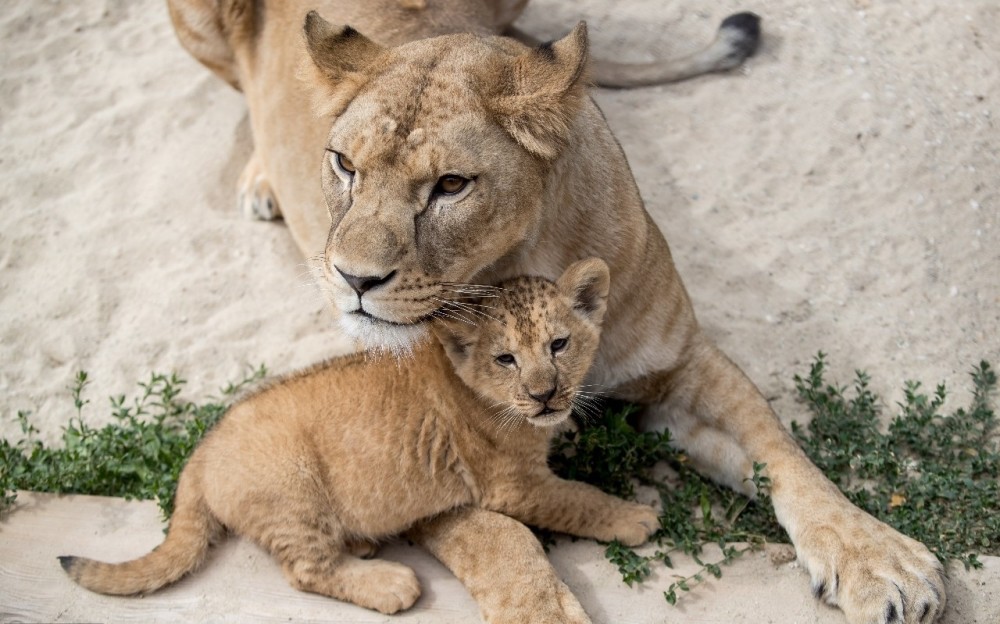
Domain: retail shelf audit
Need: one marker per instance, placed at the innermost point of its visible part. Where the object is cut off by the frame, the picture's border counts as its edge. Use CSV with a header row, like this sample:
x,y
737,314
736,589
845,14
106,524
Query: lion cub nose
x,y
363,284
544,396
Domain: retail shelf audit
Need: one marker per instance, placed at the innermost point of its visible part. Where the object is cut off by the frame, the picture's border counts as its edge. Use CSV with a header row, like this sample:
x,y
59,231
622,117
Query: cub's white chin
x,y
549,420
382,337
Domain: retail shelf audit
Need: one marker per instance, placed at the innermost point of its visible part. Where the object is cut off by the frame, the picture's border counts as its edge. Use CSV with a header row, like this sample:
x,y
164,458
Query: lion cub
x,y
359,449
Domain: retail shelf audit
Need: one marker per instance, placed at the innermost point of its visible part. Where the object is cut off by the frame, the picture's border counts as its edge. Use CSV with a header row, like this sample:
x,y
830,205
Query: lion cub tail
x,y
192,530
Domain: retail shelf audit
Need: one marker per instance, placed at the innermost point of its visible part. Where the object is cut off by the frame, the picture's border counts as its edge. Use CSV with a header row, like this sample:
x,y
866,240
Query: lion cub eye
x,y
559,345
506,359
450,185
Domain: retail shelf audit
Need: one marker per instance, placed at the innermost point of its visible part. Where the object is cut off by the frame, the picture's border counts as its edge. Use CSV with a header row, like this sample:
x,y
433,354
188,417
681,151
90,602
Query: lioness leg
x,y
255,198
204,28
871,571
502,565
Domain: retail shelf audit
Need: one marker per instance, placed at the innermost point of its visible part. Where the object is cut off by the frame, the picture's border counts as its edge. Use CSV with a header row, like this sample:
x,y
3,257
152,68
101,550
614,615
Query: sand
x,y
839,193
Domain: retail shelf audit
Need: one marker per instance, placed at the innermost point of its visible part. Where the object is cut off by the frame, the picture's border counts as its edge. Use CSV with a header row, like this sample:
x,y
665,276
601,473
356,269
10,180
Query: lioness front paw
x,y
871,571
633,524
255,198
544,602
568,608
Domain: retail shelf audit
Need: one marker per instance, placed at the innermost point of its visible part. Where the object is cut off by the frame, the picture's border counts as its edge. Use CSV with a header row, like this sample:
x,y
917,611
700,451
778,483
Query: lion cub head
x,y
533,342
435,164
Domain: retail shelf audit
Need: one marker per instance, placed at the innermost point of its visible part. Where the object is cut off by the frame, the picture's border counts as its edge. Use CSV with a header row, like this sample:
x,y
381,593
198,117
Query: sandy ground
x,y
840,194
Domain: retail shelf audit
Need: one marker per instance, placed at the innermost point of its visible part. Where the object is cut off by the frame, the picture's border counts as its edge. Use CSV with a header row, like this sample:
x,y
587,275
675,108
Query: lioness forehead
x,y
429,95
421,91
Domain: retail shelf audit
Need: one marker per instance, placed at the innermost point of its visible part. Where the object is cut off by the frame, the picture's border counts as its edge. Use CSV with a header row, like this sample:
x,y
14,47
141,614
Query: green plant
x,y
935,477
138,455
614,456
930,475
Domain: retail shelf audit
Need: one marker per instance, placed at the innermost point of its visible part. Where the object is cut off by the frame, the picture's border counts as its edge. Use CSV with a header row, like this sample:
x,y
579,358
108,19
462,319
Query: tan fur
x,y
226,36
549,185
360,449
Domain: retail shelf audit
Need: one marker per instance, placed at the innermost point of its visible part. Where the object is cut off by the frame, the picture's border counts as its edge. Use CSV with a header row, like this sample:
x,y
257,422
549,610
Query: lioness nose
x,y
544,396
363,284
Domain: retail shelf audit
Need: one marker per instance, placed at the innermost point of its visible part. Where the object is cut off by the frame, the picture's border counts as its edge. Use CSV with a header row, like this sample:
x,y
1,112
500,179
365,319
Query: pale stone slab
x,y
241,583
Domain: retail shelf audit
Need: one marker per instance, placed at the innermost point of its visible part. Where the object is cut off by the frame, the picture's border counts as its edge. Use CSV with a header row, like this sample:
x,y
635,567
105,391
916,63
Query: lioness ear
x,y
586,283
341,60
545,88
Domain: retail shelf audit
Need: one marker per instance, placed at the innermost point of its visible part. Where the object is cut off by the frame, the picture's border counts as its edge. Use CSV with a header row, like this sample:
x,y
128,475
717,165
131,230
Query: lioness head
x,y
436,162
532,343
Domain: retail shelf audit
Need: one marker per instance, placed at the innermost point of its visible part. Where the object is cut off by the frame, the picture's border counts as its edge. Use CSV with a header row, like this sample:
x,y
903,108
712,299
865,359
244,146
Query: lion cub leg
x,y
502,564
311,550
255,198
548,502
385,586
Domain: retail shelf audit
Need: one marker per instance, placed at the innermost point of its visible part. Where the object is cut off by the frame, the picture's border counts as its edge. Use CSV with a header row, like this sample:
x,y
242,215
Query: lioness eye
x,y
559,345
450,185
506,360
346,163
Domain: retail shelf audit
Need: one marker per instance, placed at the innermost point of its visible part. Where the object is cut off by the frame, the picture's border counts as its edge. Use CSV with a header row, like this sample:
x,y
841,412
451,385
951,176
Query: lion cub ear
x,y
457,338
537,97
586,284
341,62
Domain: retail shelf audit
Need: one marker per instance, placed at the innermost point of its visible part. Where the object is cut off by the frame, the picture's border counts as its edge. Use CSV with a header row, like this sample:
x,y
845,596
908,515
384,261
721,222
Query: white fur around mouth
x,y
381,336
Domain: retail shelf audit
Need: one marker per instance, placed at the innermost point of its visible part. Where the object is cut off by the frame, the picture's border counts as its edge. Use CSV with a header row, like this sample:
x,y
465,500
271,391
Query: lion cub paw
x,y
255,199
362,549
633,524
386,586
872,572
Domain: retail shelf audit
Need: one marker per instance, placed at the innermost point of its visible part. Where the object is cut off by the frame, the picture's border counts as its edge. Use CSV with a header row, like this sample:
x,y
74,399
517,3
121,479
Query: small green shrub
x,y
138,455
933,476
930,475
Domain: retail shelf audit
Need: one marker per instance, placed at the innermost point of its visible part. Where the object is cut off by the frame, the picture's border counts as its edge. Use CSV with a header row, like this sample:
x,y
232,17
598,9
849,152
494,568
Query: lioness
x,y
359,449
473,158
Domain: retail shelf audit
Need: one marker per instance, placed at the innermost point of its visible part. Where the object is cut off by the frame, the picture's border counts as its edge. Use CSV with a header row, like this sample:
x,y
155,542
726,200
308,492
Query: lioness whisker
x,y
471,297
456,313
454,306
465,307
441,313
481,286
